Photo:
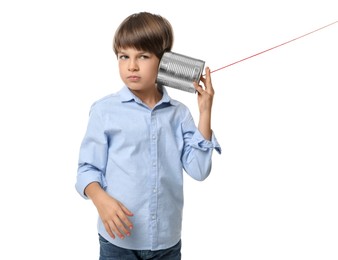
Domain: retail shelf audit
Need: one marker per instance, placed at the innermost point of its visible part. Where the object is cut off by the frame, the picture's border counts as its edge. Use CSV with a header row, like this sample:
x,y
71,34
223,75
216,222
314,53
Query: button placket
x,y
153,176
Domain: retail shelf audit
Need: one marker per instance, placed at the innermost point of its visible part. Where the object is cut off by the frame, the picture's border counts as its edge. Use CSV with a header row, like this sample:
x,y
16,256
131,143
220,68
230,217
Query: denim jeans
x,y
108,251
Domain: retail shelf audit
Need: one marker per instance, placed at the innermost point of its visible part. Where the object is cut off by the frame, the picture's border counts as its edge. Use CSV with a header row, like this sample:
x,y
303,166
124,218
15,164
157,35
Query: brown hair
x,y
144,31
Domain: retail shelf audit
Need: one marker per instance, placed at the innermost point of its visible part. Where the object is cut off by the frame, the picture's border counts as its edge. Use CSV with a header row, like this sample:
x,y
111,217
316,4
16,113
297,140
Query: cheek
x,y
121,69
153,75
153,71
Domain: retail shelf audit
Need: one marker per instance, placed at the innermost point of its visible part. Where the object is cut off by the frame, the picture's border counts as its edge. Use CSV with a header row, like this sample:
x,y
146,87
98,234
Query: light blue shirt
x,y
138,154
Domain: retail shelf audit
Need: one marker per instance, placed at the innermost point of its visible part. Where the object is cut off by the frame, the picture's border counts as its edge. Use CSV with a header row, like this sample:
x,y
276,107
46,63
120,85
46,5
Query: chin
x,y
134,87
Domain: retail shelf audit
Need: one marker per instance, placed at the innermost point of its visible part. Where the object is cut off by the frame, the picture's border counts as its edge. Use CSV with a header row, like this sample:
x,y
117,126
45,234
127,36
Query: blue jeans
x,y
108,251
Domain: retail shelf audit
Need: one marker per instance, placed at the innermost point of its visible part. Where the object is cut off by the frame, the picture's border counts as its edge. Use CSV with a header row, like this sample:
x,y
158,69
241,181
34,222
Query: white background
x,y
272,193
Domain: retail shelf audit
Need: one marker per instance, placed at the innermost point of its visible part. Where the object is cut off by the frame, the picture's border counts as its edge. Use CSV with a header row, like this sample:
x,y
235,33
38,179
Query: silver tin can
x,y
179,71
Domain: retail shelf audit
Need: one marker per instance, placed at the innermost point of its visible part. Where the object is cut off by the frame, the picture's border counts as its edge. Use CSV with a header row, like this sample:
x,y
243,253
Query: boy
x,y
137,144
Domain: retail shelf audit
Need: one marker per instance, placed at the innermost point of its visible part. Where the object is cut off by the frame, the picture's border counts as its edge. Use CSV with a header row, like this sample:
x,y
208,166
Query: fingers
x,y
126,211
122,216
206,82
109,227
119,226
116,222
207,79
198,88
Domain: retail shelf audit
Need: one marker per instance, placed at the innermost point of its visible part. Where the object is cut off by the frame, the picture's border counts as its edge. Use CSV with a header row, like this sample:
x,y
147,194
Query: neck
x,y
150,98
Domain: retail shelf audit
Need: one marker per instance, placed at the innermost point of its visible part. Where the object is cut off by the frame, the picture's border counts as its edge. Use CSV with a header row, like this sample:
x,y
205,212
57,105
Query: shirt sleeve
x,y
197,152
199,142
93,155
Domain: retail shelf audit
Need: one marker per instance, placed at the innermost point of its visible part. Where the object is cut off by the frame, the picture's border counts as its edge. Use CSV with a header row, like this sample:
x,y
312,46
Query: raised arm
x,y
205,98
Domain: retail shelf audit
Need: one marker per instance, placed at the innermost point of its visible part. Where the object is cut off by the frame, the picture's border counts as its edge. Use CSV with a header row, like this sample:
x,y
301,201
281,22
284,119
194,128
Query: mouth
x,y
133,78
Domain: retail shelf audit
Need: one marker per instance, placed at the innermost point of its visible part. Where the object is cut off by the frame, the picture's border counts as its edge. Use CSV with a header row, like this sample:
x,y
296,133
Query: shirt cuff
x,y
199,142
85,179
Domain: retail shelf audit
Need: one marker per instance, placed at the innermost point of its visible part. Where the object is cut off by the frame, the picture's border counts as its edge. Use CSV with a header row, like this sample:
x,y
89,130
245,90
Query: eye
x,y
144,56
123,57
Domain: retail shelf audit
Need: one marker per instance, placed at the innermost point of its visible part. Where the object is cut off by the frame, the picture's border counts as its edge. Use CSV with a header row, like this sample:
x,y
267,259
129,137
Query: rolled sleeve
x,y
197,155
85,177
93,155
199,142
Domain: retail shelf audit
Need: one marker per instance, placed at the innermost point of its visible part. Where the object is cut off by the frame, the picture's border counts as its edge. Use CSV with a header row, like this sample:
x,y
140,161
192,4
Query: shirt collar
x,y
126,96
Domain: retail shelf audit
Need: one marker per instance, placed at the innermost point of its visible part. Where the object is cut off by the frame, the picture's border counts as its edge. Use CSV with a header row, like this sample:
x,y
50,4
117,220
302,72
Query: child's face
x,y
138,69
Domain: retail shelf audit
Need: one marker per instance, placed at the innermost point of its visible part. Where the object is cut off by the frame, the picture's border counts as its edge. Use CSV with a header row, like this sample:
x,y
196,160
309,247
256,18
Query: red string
x,y
273,47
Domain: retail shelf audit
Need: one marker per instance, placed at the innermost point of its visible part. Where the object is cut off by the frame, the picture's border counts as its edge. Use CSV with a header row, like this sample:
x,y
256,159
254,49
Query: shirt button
x,y
154,190
154,165
154,137
153,217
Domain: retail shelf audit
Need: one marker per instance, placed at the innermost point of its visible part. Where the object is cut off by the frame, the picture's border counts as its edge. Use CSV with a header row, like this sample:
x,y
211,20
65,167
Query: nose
x,y
133,66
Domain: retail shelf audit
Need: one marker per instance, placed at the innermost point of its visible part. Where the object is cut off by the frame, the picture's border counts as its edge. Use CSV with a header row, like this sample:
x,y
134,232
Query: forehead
x,y
130,50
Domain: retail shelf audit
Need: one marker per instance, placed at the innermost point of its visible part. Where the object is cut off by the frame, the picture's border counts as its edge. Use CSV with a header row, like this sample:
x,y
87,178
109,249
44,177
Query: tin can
x,y
179,71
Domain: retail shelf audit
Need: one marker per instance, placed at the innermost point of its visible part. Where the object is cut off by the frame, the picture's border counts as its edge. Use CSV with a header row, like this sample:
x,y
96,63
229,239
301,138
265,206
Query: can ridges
x,y
179,71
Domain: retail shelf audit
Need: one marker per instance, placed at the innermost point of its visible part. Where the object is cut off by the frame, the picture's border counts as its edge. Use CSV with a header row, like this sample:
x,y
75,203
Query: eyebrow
x,y
138,52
